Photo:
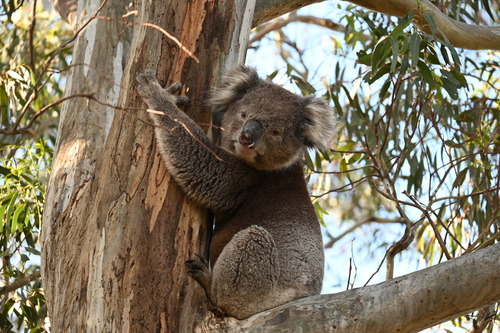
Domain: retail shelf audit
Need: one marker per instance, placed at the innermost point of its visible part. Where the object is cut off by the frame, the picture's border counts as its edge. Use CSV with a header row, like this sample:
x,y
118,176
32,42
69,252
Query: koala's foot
x,y
200,271
154,95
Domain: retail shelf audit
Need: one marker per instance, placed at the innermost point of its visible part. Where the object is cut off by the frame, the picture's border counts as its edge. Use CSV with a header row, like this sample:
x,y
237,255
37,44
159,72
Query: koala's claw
x,y
199,269
199,264
175,88
148,87
182,100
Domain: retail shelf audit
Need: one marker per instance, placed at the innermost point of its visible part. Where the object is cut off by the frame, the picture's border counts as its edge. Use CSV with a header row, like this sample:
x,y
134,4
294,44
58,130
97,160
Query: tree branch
x,y
408,303
266,10
371,219
20,283
462,35
293,17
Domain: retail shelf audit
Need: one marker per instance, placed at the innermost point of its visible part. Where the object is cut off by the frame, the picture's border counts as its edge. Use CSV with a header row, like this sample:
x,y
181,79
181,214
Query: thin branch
x,y
433,225
20,283
188,131
34,90
31,33
282,22
370,219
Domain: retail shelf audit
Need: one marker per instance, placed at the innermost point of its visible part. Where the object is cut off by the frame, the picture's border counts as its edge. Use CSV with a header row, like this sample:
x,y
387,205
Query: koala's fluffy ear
x,y
233,86
320,125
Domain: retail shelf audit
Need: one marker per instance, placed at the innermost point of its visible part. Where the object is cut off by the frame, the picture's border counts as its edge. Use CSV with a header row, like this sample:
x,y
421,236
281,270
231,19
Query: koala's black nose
x,y
252,131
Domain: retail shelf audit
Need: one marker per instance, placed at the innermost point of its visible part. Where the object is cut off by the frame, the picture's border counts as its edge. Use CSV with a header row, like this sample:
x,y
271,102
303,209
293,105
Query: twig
x,y
371,219
31,36
189,132
433,225
293,17
20,283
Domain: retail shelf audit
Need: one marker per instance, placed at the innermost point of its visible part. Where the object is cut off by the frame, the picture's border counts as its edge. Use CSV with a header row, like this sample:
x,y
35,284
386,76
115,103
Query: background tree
x,y
420,151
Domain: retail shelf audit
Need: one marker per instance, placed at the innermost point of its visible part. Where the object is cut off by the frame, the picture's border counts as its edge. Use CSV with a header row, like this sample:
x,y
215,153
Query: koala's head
x,y
267,126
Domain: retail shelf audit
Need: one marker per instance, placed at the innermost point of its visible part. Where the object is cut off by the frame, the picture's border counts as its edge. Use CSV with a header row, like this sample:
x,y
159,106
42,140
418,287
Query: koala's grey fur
x,y
266,249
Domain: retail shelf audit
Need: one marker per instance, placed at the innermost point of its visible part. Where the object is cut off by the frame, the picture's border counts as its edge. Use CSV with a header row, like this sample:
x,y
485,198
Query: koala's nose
x,y
252,131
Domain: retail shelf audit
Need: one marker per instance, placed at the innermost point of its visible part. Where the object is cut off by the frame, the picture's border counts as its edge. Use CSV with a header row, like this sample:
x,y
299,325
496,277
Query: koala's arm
x,y
208,174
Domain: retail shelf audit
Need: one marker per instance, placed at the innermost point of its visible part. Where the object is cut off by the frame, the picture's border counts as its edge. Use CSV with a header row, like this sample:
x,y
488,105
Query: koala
x,y
266,247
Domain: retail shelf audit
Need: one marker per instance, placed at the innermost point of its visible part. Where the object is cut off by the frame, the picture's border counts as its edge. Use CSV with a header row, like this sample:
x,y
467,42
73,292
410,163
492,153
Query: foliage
x,y
421,139
29,82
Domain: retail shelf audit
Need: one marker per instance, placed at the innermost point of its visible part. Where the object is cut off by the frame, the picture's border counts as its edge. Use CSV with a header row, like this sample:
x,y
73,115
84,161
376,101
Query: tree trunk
x,y
116,229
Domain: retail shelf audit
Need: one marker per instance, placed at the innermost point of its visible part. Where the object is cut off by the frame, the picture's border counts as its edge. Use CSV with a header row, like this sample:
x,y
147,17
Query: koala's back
x,y
280,205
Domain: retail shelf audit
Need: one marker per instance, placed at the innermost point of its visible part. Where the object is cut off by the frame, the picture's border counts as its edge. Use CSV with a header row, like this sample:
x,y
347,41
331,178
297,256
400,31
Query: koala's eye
x,y
243,115
275,132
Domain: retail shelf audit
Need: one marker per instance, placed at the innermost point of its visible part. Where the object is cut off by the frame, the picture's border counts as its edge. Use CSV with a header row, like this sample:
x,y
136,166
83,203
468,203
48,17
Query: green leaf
x,y
320,212
10,209
426,74
32,250
444,54
486,5
384,89
3,208
415,48
428,17
381,72
460,178
450,88
305,87
346,145
380,53
364,58
4,171
15,217
395,52
403,23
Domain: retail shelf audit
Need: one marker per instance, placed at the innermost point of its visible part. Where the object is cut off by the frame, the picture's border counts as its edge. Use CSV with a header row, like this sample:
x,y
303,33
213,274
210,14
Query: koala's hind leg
x,y
244,277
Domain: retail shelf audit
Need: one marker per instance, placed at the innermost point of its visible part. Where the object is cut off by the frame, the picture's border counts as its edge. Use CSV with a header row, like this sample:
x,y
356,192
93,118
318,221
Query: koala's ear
x,y
320,125
233,86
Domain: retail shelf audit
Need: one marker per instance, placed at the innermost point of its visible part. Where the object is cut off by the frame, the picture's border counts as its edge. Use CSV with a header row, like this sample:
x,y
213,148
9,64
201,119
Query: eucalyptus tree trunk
x,y
116,229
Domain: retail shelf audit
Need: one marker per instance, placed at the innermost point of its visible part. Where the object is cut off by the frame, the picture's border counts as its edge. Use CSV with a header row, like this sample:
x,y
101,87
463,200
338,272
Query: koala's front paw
x,y
148,84
198,269
154,95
